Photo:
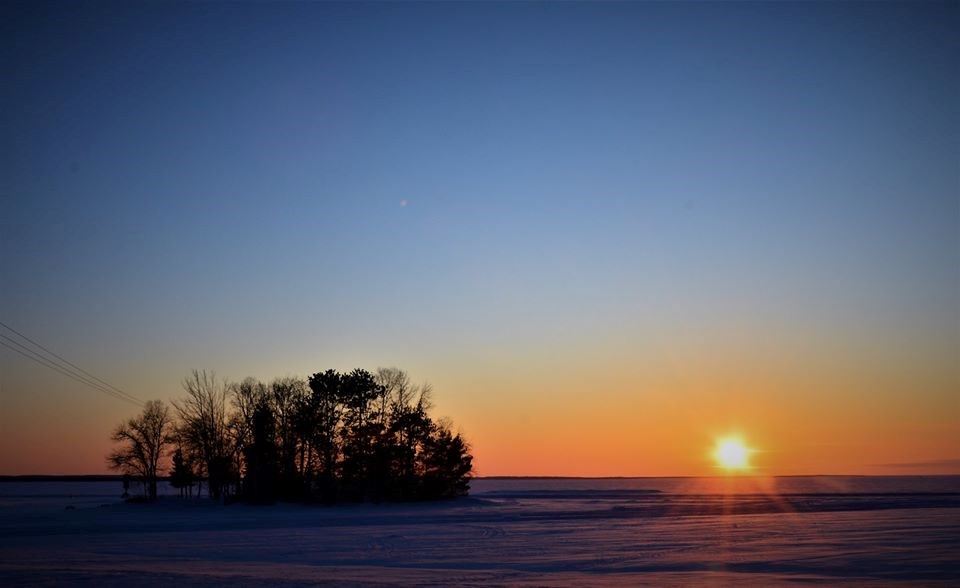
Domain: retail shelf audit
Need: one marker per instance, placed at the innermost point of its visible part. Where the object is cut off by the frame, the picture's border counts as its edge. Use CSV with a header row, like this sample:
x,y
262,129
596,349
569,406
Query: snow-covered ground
x,y
540,532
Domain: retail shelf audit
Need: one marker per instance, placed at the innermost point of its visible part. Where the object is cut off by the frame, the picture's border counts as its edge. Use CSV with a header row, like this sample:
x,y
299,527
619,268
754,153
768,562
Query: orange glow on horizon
x,y
593,410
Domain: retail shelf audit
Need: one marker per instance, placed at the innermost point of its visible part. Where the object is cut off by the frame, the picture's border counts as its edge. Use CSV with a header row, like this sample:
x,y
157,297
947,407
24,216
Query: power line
x,y
86,378
66,373
49,362
76,367
46,361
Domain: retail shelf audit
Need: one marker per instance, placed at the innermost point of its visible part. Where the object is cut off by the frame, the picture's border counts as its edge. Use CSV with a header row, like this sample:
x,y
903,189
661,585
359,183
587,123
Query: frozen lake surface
x,y
655,531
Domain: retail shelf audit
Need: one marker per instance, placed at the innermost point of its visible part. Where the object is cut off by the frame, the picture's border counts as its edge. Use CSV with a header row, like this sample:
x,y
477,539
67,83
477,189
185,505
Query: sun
x,y
732,454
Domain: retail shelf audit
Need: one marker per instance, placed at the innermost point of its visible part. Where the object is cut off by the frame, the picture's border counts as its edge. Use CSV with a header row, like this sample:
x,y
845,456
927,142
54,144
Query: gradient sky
x,y
605,233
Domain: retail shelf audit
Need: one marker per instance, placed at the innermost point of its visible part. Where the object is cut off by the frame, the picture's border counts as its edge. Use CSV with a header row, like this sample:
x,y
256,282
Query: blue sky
x,y
220,185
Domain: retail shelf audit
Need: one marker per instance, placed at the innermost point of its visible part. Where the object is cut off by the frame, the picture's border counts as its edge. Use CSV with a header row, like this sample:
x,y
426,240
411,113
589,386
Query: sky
x,y
606,233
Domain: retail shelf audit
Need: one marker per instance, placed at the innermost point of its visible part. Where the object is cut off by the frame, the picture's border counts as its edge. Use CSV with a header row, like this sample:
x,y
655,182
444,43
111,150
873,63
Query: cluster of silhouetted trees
x,y
356,436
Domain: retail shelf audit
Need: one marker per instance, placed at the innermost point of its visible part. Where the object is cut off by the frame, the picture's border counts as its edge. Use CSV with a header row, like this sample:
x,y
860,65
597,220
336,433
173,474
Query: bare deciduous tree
x,y
204,427
286,396
143,438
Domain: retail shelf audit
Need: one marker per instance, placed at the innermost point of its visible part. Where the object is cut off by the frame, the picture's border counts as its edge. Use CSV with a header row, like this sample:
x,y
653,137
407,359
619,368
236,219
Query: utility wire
x,y
74,366
83,376
66,373
46,361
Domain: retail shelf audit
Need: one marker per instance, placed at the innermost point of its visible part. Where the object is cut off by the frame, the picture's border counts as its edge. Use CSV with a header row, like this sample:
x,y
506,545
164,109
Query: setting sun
x,y
732,454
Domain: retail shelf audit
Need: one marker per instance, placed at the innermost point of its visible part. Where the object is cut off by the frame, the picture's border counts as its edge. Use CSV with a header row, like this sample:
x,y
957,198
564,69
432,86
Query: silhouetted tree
x,y
245,397
408,425
447,464
181,476
353,436
285,397
319,424
142,440
260,483
204,428
358,389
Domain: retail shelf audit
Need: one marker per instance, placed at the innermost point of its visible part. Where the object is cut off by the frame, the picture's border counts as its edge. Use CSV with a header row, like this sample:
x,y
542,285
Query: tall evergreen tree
x,y
181,476
260,483
320,424
447,464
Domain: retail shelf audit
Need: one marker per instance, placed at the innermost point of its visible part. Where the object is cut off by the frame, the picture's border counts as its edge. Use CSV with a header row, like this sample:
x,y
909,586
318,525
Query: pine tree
x,y
181,477
262,456
447,465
